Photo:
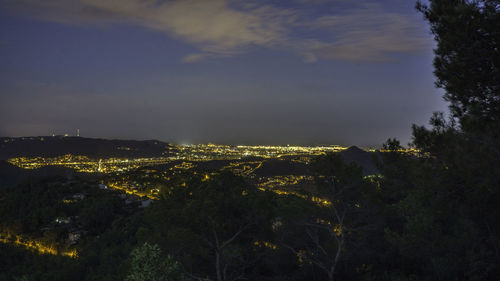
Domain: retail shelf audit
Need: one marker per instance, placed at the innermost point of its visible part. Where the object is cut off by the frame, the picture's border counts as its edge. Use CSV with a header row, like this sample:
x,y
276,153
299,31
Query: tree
x,y
147,264
447,211
212,224
320,236
467,67
467,57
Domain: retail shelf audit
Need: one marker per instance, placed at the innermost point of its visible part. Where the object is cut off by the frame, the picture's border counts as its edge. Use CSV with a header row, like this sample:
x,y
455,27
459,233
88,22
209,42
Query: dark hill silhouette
x,y
11,175
276,167
211,166
362,158
95,148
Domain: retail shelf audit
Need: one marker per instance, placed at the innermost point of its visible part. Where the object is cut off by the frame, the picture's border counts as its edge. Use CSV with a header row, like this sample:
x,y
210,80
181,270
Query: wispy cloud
x,y
213,26
365,34
229,27
194,57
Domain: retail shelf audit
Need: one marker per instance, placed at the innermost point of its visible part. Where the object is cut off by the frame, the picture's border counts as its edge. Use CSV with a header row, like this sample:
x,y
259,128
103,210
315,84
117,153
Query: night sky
x,y
197,71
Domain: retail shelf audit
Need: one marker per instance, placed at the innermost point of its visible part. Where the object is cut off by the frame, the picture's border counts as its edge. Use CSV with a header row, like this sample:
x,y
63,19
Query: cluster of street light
x,y
35,245
199,152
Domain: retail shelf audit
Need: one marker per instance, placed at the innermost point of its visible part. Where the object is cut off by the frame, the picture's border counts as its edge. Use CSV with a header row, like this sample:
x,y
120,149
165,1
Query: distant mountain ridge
x,y
52,146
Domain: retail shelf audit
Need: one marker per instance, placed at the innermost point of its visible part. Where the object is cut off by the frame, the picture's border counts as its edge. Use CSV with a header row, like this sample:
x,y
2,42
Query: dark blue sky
x,y
190,71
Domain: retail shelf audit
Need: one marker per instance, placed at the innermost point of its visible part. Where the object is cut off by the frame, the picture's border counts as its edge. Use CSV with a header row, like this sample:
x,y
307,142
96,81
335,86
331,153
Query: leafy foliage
x,y
212,224
146,265
448,199
467,61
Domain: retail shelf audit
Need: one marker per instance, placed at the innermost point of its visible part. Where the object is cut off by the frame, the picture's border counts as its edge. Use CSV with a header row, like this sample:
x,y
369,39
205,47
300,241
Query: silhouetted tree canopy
x,y
467,57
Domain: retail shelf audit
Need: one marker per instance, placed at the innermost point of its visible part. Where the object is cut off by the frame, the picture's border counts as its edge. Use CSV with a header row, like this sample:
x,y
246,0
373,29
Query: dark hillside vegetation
x,y
274,167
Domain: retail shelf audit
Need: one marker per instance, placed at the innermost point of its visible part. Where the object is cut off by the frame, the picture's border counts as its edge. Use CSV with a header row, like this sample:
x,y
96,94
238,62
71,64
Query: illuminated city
x,y
186,158
194,153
